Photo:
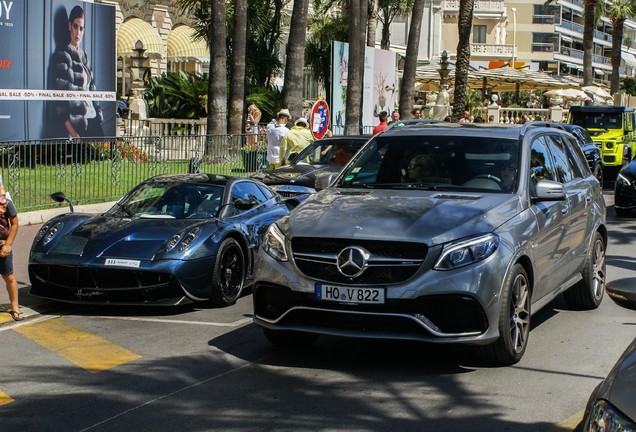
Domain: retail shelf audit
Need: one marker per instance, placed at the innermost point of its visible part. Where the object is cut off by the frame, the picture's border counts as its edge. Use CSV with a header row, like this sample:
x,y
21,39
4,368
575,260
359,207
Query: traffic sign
x,y
319,119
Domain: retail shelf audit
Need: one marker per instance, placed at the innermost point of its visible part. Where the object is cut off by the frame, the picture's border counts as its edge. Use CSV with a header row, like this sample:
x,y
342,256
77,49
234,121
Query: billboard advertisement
x,y
57,69
379,84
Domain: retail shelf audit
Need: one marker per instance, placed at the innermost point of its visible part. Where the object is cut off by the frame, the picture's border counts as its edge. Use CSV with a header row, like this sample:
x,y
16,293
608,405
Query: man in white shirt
x,y
276,130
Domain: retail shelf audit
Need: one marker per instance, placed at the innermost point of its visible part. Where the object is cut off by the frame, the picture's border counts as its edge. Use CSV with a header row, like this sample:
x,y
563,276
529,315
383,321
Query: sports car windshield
x,y
170,201
443,162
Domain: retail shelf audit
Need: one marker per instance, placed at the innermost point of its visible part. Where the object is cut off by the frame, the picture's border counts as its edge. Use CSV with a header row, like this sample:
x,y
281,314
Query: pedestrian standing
x,y
395,116
276,130
295,141
8,231
379,128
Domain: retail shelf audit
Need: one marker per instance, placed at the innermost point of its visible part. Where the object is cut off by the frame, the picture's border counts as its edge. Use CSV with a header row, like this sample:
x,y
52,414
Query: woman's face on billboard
x,y
77,31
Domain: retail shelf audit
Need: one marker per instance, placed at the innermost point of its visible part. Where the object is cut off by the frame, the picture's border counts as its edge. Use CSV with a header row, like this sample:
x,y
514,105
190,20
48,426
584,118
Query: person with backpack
x,y
8,231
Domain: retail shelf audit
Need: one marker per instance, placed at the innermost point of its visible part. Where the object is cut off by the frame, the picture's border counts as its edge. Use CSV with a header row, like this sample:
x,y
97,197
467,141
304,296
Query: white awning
x,y
598,72
628,58
566,38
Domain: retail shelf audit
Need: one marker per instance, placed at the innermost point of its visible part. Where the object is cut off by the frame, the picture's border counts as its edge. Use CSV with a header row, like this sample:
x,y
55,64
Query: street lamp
x,y
514,35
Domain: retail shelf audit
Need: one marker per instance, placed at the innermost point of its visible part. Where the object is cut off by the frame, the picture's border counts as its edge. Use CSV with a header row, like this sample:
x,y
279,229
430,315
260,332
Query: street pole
x,y
514,36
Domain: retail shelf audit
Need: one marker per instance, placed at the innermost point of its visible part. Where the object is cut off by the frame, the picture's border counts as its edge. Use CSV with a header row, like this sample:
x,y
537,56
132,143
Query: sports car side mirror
x,y
242,204
623,292
60,198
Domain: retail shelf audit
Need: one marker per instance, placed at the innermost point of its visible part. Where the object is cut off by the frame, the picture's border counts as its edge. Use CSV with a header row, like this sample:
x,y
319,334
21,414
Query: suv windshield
x,y
437,162
597,120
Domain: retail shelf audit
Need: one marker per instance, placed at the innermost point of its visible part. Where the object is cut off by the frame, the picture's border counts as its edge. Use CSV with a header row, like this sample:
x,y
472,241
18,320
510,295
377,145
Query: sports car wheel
x,y
514,320
588,293
229,274
289,339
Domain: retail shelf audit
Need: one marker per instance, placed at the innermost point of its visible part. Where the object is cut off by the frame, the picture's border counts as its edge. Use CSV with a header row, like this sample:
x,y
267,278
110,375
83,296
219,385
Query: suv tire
x,y
588,293
514,320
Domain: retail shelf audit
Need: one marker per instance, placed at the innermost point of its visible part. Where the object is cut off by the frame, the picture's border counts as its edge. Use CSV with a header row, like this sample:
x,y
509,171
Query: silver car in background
x,y
441,233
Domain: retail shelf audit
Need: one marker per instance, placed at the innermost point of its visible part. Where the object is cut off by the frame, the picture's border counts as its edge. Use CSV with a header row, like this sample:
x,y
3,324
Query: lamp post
x,y
514,36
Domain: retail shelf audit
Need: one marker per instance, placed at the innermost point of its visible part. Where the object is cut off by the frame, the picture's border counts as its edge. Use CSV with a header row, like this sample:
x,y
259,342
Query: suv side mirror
x,y
323,181
548,190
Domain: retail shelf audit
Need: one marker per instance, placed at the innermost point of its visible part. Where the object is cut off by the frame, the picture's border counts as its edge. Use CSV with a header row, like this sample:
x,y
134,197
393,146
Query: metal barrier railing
x,y
102,169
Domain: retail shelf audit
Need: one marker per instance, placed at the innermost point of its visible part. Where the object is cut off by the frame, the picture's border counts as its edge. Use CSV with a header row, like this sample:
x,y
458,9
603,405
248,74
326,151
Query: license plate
x,y
350,295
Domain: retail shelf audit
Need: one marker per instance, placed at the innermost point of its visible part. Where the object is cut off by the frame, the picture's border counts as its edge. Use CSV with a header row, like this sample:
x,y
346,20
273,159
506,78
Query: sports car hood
x,y
104,236
301,174
433,217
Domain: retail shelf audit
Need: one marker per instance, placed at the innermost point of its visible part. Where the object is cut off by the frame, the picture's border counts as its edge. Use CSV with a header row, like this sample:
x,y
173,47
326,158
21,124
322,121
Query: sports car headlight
x,y
466,252
41,232
51,232
189,238
605,417
173,242
274,243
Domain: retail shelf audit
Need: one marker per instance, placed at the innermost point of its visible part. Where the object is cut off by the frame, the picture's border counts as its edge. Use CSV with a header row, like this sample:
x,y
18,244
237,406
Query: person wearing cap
x,y
379,128
295,141
276,130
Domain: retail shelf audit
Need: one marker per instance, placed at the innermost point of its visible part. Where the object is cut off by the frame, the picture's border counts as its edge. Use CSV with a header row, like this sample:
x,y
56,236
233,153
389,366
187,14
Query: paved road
x,y
201,369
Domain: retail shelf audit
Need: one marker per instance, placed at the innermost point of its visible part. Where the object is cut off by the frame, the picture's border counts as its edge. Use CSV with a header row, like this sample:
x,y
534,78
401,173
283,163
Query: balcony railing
x,y
544,47
569,25
491,50
571,52
481,6
543,19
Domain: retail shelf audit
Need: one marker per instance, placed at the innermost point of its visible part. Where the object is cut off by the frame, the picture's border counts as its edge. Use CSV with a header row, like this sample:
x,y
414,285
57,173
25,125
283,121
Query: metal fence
x,y
98,170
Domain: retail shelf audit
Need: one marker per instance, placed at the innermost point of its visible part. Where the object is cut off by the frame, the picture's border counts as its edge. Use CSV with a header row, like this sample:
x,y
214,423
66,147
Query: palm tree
x,y
237,77
464,26
324,29
390,9
295,62
589,25
618,11
372,22
357,15
407,86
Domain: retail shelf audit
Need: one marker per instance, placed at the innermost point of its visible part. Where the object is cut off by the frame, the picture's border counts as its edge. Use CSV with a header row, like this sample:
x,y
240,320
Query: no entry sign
x,y
319,119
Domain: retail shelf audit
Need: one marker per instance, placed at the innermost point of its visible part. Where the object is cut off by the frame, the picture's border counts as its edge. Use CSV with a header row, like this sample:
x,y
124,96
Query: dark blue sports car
x,y
173,239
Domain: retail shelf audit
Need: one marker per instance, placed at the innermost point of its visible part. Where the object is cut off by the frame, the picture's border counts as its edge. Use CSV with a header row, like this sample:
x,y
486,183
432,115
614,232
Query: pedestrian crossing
x,y
90,352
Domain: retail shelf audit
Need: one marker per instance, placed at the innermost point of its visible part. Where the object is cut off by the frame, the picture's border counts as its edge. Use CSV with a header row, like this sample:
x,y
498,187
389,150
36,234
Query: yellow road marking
x,y
568,424
5,398
5,317
88,351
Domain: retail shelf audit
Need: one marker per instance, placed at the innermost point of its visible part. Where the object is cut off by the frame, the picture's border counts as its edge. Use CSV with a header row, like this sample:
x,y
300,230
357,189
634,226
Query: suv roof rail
x,y
533,124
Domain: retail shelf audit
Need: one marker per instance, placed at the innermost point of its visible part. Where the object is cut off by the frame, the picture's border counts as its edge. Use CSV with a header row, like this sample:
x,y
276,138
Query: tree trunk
x,y
385,42
407,86
617,38
357,39
372,22
295,61
464,25
589,21
217,96
237,77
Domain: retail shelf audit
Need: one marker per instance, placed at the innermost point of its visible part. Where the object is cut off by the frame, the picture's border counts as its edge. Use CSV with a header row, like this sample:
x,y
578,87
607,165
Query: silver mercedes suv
x,y
442,233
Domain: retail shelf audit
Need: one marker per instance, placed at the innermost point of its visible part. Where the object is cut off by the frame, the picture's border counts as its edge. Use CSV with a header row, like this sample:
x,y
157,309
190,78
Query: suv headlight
x,y
466,252
274,243
623,181
605,417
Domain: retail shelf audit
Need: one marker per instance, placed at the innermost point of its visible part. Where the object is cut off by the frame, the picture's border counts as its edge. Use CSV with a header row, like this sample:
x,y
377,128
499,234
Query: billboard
x,y
379,84
57,69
